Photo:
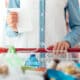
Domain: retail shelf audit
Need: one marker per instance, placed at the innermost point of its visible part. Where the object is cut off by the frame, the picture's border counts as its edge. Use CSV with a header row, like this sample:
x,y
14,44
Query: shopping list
x,y
26,16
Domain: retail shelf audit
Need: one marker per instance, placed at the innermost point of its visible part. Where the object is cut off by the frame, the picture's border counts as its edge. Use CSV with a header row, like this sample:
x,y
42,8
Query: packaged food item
x,y
4,70
12,58
58,75
70,70
32,63
33,68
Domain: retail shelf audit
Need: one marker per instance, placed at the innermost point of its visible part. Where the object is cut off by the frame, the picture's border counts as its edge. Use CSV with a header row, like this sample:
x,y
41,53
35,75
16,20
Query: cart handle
x,y
38,50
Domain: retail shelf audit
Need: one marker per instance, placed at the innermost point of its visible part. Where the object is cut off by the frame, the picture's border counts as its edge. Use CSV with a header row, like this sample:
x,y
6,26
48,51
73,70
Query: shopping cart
x,y
21,72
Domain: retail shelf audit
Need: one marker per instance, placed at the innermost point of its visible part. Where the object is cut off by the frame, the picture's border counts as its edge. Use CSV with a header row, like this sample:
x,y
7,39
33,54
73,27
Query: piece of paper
x,y
25,21
26,16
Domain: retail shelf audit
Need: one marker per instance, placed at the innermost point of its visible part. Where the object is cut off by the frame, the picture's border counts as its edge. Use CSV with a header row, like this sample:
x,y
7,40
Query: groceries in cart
x,y
63,70
4,70
59,75
27,64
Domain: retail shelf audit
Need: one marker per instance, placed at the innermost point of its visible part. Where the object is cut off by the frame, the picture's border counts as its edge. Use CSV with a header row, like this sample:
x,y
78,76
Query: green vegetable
x,y
24,68
12,49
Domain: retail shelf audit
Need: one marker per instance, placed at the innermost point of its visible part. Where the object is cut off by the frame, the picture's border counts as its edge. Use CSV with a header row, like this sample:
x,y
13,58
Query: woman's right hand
x,y
12,20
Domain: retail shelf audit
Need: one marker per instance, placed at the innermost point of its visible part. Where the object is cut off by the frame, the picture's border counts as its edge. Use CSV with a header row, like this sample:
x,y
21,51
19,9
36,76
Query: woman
x,y
73,37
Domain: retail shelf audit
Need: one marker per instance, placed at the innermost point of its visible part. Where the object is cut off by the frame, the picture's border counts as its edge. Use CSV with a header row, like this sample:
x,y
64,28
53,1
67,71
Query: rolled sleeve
x,y
10,32
14,4
73,37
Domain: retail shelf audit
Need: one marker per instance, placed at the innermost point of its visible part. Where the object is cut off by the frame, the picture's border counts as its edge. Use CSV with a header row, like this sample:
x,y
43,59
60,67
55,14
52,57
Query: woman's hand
x,y
12,20
60,47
